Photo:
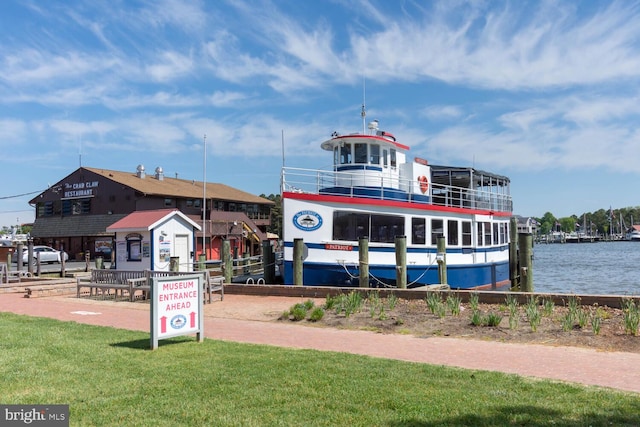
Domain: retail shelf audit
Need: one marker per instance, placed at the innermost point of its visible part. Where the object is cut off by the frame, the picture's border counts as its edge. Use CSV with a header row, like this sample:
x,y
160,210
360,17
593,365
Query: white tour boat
x,y
373,190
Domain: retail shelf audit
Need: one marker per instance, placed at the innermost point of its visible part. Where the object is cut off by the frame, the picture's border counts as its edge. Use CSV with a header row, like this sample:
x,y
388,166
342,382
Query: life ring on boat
x,y
424,183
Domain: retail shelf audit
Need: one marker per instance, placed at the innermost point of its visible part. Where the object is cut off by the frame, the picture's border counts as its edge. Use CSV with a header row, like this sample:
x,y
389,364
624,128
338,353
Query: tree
x,y
276,214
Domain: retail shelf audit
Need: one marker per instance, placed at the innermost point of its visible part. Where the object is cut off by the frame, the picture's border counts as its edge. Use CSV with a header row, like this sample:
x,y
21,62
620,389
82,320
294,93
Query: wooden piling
x,y
401,262
227,261
269,262
363,259
526,262
442,259
513,254
298,258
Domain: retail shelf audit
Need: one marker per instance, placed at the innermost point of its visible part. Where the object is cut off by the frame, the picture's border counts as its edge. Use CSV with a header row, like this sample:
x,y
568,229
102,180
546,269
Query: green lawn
x,y
109,377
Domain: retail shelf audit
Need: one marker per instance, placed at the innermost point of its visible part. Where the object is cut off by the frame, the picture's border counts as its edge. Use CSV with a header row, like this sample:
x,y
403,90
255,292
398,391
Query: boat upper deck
x,y
452,187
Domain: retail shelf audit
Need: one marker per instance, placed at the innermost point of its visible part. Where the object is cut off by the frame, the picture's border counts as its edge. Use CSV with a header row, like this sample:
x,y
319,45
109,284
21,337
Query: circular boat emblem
x,y
307,220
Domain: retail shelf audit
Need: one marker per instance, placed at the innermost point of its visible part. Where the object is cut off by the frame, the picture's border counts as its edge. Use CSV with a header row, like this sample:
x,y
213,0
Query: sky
x,y
545,92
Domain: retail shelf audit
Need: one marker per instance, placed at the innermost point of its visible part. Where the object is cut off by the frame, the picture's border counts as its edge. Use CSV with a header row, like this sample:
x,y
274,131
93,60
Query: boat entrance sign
x,y
176,307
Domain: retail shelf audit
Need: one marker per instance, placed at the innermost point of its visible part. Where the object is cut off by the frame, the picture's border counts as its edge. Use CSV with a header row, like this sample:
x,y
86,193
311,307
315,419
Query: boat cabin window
x,y
345,154
385,158
360,153
503,233
466,233
437,230
336,155
375,154
418,231
496,240
393,159
452,233
479,234
379,228
487,234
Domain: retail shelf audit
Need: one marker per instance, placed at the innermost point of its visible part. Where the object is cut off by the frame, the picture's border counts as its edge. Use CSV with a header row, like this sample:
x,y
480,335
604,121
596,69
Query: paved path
x,y
229,320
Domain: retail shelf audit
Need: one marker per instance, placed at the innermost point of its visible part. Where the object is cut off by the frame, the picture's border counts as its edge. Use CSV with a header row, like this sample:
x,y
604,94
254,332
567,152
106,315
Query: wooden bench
x,y
103,281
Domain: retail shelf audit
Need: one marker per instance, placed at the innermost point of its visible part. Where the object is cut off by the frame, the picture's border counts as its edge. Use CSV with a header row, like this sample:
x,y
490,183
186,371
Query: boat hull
x,y
494,276
329,262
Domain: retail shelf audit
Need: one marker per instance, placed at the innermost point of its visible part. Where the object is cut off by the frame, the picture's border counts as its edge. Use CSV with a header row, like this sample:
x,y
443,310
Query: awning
x,y
74,226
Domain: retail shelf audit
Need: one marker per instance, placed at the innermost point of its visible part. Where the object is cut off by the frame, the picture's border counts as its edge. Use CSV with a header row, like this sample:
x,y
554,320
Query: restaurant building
x,y
73,214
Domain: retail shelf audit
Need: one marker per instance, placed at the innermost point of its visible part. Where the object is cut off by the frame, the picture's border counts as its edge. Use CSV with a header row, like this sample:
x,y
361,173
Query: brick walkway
x,y
249,319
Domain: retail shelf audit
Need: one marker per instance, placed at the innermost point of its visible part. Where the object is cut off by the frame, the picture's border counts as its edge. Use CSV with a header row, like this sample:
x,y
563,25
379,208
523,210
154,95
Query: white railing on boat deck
x,y
314,181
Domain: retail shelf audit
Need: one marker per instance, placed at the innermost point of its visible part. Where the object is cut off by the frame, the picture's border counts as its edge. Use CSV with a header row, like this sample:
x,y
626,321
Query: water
x,y
603,268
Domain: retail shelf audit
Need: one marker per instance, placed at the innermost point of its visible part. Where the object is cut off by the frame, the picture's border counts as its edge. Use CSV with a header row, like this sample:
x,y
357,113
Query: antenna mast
x,y
363,113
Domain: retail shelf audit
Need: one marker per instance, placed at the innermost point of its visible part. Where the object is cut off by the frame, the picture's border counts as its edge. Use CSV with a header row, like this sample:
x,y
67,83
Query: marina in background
x,y
605,268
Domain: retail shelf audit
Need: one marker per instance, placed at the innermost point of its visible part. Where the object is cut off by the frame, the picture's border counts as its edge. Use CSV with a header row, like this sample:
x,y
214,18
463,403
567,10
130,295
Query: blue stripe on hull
x,y
489,276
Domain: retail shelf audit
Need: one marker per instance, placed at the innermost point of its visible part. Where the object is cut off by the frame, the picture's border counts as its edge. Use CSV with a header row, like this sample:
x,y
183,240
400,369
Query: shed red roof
x,y
143,219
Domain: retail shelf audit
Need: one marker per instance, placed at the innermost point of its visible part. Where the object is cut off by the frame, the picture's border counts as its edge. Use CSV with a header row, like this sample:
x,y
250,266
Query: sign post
x,y
176,307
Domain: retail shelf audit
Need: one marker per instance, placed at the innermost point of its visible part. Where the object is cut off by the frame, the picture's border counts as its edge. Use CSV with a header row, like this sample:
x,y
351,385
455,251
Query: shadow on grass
x,y
145,344
527,416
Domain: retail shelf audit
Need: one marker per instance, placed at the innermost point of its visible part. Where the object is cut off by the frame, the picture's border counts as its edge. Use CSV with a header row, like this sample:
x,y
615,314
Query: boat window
x,y
418,231
385,158
336,155
360,153
452,233
385,228
375,154
496,240
466,233
479,234
503,233
393,158
487,234
379,228
437,230
345,154
350,226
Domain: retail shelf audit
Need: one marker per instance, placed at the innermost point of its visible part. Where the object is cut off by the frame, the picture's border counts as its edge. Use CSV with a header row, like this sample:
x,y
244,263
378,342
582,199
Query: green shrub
x,y
493,319
299,312
317,314
454,302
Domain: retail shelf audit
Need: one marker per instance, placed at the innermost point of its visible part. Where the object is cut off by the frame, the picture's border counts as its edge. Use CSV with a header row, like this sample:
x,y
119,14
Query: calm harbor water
x,y
604,268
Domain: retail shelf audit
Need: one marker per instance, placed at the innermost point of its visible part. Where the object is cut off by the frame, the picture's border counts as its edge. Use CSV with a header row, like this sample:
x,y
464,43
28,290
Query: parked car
x,y
47,254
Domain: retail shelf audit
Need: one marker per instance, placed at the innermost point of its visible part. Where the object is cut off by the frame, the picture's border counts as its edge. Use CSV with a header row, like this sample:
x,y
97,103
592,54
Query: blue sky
x,y
545,92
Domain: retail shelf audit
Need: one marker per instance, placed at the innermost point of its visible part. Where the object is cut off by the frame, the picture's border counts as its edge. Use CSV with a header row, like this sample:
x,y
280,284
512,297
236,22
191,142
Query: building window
x,y
168,202
134,250
189,203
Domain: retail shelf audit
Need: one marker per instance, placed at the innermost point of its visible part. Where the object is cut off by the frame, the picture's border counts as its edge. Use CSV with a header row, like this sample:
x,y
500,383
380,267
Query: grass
x,y
109,377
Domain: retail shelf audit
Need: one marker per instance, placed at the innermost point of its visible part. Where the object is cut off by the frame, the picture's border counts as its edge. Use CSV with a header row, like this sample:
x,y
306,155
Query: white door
x,y
181,250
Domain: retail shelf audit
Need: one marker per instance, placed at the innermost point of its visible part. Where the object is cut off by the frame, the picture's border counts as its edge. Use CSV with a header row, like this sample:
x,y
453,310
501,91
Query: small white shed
x,y
147,240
